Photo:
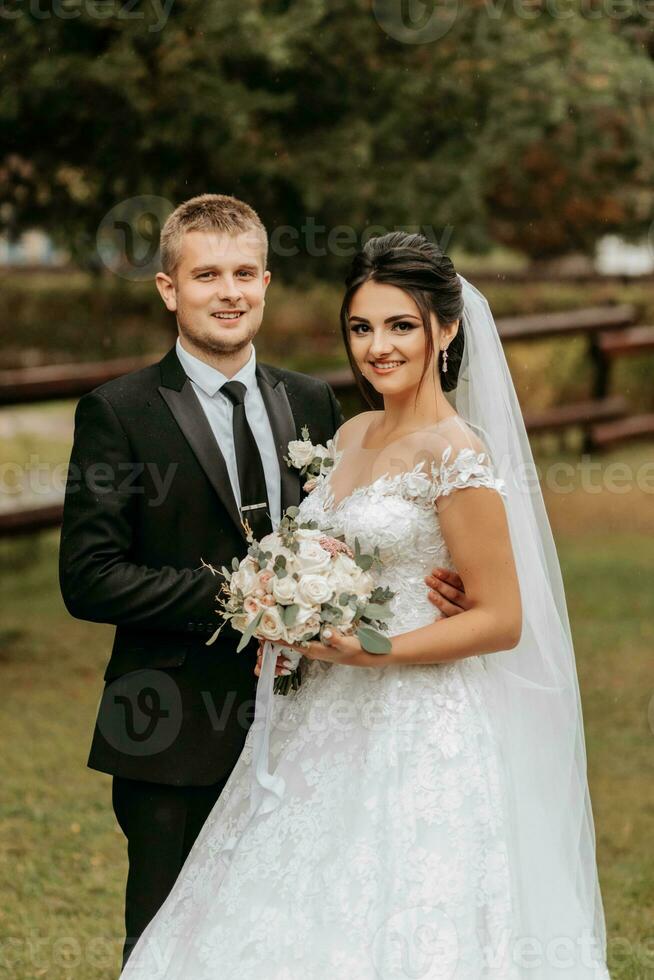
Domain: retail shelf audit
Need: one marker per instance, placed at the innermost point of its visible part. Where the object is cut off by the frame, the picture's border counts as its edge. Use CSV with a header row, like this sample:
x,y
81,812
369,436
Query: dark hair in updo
x,y
421,269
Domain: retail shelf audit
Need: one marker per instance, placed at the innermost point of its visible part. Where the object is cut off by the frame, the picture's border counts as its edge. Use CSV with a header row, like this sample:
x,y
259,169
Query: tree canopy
x,y
523,124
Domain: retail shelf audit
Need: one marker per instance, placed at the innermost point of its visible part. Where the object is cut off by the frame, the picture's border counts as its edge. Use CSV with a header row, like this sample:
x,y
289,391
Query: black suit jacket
x,y
148,499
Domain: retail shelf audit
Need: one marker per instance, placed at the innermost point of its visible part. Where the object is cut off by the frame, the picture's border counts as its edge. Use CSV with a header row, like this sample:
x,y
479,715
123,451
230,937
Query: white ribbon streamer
x,y
267,789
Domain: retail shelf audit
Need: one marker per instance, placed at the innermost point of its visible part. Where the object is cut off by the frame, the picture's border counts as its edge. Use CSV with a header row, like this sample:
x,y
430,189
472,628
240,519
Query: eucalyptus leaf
x,y
376,610
372,641
249,632
290,614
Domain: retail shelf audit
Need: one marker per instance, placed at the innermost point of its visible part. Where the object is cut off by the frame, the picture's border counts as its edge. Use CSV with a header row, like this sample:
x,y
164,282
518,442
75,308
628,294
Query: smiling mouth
x,y
228,314
383,367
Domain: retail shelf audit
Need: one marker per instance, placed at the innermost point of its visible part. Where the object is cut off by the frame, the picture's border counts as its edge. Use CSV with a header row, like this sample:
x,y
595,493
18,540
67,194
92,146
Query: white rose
x,y
346,576
344,565
348,615
241,622
309,534
311,557
283,589
251,606
271,626
273,544
245,578
265,579
347,567
340,581
301,452
310,625
313,590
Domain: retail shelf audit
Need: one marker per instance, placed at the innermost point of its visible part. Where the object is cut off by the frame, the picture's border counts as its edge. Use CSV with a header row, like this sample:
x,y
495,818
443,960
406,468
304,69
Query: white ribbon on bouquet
x,y
267,788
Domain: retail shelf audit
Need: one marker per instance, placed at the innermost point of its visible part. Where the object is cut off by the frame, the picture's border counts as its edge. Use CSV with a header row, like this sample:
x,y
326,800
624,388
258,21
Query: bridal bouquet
x,y
295,582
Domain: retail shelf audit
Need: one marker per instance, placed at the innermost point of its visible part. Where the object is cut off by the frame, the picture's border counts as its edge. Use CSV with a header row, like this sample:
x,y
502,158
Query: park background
x,y
517,134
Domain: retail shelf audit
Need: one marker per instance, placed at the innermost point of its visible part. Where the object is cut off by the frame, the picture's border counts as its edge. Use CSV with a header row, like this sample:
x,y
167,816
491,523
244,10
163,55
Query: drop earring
x,y
444,353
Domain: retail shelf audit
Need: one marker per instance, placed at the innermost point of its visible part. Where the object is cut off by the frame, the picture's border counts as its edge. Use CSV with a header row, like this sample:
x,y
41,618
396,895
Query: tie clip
x,y
254,506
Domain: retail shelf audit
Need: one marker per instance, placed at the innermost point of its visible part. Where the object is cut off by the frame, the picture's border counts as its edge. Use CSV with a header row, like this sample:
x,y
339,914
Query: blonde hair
x,y
207,212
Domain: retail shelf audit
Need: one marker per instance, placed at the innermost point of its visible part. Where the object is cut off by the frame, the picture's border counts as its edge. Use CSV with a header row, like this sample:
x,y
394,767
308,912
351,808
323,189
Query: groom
x,y
166,464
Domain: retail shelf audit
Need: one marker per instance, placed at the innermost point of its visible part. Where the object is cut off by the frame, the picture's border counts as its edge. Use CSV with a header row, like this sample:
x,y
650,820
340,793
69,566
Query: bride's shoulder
x,y
446,439
457,457
351,433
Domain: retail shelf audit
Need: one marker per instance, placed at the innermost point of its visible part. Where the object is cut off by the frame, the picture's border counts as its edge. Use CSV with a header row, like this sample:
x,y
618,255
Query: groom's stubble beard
x,y
216,345
208,343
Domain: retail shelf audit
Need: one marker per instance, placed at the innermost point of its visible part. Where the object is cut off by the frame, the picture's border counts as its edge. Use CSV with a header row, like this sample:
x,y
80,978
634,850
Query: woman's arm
x,y
475,530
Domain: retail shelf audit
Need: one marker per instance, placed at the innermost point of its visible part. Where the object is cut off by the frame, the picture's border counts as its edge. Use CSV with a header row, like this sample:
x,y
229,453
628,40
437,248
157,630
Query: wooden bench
x,y
589,321
57,381
635,427
581,413
29,519
637,340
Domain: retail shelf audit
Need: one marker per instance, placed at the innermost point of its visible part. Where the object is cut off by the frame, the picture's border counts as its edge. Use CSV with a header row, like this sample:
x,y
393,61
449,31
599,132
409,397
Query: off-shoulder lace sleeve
x,y
465,468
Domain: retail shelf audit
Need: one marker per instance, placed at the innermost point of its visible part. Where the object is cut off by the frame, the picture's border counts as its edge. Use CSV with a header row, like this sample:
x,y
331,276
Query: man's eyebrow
x,y
213,268
389,319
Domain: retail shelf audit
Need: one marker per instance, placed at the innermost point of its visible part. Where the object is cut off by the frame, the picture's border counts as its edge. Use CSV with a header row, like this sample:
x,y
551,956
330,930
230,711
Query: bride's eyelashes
x,y
400,326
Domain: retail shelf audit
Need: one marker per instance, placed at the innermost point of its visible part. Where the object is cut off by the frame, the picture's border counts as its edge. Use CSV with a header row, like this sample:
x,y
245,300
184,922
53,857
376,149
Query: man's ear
x,y
167,291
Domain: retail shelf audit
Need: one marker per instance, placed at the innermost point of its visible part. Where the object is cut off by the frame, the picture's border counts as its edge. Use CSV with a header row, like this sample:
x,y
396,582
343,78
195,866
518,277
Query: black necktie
x,y
252,481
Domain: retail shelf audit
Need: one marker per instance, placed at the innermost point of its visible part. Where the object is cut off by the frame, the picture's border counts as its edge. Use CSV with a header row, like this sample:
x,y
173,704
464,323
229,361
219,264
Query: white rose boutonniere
x,y
313,461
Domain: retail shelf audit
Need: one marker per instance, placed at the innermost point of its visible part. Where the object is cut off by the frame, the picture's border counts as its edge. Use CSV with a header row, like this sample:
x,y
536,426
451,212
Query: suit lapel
x,y
282,423
177,391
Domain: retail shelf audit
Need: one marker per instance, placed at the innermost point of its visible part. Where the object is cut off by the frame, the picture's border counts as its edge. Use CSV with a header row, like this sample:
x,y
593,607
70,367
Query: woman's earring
x,y
444,353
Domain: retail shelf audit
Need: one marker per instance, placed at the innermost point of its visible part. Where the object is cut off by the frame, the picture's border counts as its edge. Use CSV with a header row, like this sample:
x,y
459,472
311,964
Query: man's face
x,y
218,291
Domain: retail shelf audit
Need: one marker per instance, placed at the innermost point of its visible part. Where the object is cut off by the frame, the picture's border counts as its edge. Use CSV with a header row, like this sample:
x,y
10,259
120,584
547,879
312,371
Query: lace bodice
x,y
399,516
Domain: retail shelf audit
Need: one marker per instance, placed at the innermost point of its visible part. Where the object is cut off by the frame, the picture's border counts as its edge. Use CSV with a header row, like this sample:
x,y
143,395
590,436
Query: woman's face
x,y
387,337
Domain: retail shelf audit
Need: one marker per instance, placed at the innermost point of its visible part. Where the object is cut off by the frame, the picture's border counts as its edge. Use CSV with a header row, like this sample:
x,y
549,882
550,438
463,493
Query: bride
x,y
426,813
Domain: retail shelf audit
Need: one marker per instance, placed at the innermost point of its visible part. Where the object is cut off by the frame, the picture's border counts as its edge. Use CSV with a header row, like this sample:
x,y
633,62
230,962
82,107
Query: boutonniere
x,y
312,461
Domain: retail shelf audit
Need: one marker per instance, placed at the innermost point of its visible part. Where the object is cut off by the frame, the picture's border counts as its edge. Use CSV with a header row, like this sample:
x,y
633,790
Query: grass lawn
x,y
62,858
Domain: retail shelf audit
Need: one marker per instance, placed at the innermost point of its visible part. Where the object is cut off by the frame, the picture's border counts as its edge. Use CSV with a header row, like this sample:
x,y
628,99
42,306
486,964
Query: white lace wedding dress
x,y
388,855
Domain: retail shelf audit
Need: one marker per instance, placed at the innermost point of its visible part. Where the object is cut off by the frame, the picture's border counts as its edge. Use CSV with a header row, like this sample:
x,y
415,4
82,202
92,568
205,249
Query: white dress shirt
x,y
207,381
